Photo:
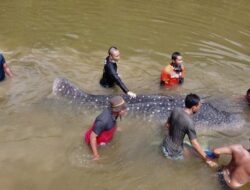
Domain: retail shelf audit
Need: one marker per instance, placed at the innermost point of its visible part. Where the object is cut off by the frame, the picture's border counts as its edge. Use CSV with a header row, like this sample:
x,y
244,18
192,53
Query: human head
x,y
114,53
117,105
248,95
177,58
192,101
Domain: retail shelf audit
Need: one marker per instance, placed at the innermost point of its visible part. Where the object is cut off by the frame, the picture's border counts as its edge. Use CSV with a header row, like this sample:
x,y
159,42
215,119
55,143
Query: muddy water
x,y
41,139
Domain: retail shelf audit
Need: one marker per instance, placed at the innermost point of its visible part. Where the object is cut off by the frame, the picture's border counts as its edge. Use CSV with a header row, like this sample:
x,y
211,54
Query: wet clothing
x,y
104,127
170,156
172,74
2,62
180,124
110,76
221,179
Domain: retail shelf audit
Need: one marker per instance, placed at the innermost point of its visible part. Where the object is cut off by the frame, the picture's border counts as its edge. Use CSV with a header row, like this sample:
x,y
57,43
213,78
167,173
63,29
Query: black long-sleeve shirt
x,y
110,76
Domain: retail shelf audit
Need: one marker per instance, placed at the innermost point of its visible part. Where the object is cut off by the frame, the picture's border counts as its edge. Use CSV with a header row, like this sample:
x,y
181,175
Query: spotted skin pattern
x,y
151,107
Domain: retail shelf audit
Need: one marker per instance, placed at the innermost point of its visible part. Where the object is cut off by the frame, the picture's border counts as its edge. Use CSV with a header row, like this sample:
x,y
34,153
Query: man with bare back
x,y
237,173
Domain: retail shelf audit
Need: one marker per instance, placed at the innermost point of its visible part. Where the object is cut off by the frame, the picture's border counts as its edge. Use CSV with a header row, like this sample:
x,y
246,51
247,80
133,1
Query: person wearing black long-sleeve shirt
x,y
110,76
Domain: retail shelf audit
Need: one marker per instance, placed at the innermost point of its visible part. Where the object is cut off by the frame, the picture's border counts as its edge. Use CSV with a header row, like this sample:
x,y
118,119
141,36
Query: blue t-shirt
x,y
2,73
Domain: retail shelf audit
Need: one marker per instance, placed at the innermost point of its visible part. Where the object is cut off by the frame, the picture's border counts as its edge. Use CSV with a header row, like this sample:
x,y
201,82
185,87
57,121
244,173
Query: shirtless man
x,y
237,173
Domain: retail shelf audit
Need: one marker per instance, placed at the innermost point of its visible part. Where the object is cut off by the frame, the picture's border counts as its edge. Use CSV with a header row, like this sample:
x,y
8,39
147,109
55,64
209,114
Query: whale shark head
x,y
210,116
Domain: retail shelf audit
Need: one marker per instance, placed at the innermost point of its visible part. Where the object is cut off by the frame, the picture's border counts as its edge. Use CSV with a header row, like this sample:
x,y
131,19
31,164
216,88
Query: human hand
x,y
212,164
210,154
119,129
181,80
217,155
131,94
174,75
96,157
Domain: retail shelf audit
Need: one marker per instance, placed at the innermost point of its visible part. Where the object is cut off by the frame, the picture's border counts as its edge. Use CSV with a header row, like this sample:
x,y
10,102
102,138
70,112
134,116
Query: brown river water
x,y
41,139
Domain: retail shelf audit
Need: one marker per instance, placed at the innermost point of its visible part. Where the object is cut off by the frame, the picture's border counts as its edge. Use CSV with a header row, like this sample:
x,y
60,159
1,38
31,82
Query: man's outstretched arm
x,y
93,144
228,149
202,154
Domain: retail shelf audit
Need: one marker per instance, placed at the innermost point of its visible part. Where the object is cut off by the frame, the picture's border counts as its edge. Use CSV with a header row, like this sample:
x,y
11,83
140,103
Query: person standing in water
x,y
237,173
110,76
4,68
248,96
104,126
173,74
180,124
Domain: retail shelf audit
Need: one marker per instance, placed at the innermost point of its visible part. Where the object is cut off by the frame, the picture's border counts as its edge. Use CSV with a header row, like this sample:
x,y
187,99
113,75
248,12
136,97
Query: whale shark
x,y
151,107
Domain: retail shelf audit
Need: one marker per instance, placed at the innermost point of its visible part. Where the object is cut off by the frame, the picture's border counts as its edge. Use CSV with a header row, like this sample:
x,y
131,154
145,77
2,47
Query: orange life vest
x,y
170,77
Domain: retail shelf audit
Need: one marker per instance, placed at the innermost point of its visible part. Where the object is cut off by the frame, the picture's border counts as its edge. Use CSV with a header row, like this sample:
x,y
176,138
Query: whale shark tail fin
x,y
63,88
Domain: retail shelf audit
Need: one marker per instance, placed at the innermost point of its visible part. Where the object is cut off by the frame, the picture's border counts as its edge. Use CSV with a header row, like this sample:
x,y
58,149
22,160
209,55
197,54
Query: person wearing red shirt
x,y
105,126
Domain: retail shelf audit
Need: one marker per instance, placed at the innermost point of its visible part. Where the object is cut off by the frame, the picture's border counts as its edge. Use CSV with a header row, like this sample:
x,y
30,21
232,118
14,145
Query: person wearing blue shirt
x,y
4,68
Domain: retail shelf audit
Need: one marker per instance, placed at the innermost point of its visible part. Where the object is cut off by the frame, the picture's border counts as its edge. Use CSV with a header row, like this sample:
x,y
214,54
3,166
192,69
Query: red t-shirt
x,y
104,127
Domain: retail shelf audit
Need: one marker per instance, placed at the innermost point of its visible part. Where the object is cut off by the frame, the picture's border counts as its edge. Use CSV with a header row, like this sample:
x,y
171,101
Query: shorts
x,y
221,179
169,156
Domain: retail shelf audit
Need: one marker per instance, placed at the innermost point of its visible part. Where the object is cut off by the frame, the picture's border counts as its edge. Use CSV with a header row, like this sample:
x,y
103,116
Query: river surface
x,y
41,139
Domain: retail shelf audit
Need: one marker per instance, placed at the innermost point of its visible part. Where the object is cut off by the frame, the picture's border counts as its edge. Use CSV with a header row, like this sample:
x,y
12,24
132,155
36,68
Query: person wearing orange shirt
x,y
173,74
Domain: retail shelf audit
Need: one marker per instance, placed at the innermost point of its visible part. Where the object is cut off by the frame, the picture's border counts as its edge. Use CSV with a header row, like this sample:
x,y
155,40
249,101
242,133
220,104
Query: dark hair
x,y
111,49
248,91
192,100
175,55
